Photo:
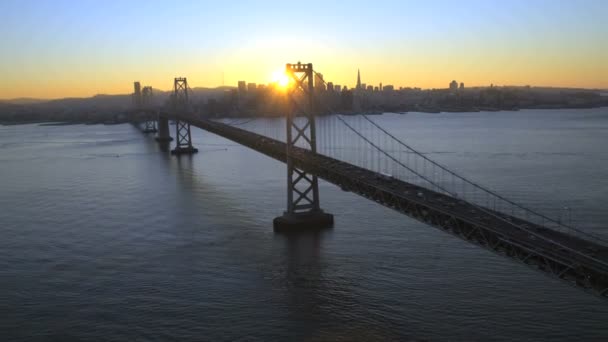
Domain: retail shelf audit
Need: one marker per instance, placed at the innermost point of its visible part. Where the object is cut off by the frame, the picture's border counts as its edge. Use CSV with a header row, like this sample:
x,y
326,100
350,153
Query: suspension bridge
x,y
373,163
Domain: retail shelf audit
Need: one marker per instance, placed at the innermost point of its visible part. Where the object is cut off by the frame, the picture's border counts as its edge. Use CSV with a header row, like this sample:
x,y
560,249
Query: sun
x,y
280,78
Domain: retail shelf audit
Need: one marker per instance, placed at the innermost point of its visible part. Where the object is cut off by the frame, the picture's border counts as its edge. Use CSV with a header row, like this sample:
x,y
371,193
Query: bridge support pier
x,y
312,220
303,210
163,130
149,126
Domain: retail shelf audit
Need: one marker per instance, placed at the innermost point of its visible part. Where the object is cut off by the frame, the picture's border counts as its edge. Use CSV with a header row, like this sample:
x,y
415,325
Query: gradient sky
x,y
60,48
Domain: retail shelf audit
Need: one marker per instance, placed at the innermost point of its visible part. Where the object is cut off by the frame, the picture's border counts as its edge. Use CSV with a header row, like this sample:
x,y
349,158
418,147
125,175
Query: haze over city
x,y
56,49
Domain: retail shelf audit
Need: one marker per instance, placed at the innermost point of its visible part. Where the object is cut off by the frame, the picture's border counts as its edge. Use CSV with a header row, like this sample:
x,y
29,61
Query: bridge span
x,y
439,197
560,255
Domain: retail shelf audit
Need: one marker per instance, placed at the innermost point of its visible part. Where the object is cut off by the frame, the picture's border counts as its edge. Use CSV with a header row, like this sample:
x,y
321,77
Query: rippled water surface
x,y
106,237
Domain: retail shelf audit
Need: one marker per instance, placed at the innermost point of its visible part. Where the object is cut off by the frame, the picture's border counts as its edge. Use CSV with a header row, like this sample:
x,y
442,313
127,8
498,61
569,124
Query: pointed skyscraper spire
x,y
358,79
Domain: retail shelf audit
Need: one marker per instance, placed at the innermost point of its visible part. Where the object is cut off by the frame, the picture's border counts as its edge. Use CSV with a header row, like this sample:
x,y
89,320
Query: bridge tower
x,y
181,108
303,209
150,120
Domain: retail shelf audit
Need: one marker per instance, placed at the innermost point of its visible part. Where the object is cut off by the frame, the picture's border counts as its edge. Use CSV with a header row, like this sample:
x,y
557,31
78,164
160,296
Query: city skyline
x,y
65,49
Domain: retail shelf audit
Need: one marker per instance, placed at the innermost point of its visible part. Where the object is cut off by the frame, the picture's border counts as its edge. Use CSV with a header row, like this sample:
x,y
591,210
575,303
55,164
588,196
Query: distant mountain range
x,y
199,93
102,101
23,101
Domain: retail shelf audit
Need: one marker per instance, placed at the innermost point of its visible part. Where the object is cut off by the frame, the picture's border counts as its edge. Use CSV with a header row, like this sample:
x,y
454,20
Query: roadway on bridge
x,y
580,262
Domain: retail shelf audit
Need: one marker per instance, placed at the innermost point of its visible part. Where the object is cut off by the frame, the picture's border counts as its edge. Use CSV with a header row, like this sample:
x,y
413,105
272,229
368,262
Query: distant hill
x,y
101,102
23,101
6,106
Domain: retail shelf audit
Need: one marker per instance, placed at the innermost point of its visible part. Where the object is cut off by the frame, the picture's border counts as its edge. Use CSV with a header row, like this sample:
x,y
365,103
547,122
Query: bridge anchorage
x,y
303,209
181,105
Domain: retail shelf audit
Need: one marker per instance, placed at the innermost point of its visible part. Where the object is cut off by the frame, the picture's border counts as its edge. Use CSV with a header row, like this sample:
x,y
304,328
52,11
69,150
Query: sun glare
x,y
280,78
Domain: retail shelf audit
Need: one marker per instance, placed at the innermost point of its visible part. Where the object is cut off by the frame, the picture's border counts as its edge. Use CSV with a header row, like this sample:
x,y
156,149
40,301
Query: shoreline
x,y
47,123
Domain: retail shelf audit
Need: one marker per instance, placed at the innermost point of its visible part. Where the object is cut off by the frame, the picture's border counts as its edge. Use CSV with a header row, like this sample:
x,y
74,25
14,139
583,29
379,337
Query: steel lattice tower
x,y
181,107
303,210
150,120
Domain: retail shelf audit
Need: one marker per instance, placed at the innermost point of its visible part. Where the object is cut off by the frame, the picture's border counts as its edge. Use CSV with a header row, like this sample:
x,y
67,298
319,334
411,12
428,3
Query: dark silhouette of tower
x,y
303,210
358,79
181,107
137,97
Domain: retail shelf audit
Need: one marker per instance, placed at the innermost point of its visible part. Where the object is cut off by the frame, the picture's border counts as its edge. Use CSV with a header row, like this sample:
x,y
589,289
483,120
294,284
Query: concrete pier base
x,y
163,130
314,220
184,150
163,139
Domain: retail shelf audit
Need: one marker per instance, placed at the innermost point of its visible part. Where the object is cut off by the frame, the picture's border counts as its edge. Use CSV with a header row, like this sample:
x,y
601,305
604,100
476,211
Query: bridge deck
x,y
580,262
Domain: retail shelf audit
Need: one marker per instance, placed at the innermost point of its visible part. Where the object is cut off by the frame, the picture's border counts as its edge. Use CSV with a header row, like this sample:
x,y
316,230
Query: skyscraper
x,y
137,94
358,79
319,82
242,87
453,86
